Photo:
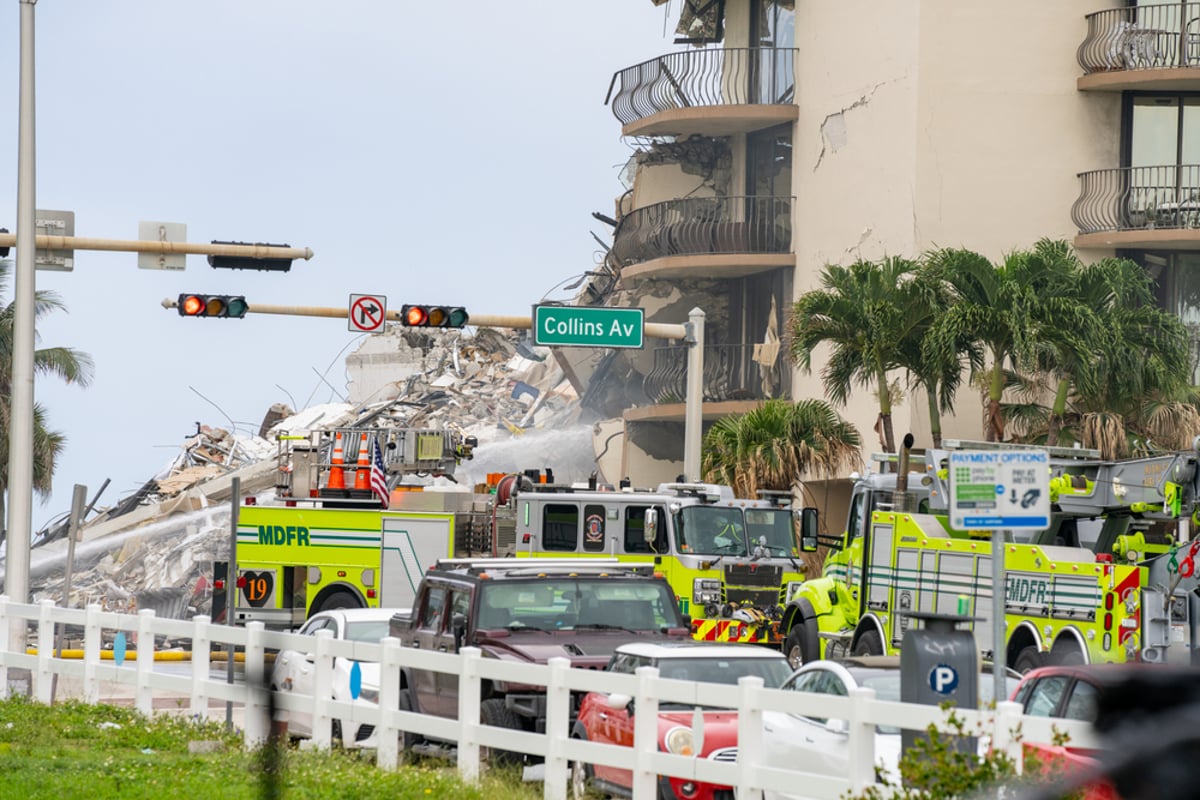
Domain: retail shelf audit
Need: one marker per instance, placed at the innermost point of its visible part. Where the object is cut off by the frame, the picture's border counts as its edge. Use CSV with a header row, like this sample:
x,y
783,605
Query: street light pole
x,y
20,423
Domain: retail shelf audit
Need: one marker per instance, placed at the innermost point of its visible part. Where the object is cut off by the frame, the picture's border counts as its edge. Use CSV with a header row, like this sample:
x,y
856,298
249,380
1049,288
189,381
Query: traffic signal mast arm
x,y
255,251
653,329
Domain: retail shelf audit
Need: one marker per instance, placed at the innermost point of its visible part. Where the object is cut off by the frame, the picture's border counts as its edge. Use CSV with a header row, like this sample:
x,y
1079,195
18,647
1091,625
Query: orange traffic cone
x,y
337,473
362,480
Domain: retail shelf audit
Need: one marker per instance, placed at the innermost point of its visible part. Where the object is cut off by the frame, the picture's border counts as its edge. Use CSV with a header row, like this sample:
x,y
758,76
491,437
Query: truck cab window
x,y
635,531
431,613
560,527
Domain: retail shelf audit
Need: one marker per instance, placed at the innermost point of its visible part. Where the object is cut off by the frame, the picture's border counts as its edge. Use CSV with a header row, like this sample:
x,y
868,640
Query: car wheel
x,y
493,712
407,738
869,644
579,780
799,646
335,737
1030,658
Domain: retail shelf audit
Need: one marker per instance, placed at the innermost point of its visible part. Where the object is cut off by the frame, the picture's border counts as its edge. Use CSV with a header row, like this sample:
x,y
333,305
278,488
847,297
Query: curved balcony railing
x,y
731,372
1138,198
699,225
1142,37
707,77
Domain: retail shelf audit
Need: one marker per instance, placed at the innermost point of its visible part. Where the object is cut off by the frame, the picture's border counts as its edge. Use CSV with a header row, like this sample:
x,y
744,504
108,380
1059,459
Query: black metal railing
x,y
731,372
1136,198
1142,37
708,77
698,225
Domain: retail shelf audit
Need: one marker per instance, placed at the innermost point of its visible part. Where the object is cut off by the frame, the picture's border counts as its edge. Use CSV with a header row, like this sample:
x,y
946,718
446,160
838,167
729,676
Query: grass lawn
x,y
74,750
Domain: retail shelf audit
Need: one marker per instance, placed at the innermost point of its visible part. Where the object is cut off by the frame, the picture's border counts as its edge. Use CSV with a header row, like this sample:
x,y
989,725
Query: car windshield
x,y
371,630
573,603
887,687
722,670
710,530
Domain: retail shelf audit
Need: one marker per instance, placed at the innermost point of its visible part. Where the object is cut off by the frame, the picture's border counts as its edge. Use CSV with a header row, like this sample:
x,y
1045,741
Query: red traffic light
x,y
420,316
212,305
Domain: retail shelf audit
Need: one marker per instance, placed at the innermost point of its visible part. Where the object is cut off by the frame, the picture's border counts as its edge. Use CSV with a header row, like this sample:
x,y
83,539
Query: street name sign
x,y
1000,490
588,326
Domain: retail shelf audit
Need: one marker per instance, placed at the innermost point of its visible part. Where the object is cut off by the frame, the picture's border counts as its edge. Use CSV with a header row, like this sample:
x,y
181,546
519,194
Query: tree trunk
x,y
994,423
885,413
1057,412
935,418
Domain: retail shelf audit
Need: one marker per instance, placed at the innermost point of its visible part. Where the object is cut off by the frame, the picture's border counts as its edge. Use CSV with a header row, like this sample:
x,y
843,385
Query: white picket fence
x,y
1006,726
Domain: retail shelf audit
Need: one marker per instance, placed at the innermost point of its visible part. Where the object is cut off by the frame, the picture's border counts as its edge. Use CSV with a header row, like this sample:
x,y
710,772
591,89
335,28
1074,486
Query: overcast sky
x,y
429,152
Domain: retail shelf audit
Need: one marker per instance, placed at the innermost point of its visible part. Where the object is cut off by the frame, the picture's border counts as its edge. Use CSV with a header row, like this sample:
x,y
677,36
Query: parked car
x,y
1068,692
609,718
295,672
821,746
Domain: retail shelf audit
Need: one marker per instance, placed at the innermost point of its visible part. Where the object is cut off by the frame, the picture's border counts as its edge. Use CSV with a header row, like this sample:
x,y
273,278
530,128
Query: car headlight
x,y
370,695
678,741
706,590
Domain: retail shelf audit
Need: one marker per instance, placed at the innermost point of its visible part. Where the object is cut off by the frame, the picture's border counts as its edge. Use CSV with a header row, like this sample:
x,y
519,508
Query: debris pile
x,y
156,548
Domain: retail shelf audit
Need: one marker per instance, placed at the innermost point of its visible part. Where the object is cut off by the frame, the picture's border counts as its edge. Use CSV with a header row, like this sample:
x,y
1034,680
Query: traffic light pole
x,y
692,333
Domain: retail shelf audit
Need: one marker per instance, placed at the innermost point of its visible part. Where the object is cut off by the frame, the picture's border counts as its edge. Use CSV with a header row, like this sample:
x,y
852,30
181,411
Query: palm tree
x,y
73,366
1009,310
863,312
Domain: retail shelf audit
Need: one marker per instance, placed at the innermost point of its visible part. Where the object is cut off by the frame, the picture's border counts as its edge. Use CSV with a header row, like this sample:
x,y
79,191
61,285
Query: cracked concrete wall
x,y
938,123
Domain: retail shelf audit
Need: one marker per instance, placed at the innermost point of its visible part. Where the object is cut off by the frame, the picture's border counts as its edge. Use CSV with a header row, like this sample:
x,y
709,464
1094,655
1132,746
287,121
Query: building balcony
x,y
713,91
1139,207
1149,47
737,378
705,237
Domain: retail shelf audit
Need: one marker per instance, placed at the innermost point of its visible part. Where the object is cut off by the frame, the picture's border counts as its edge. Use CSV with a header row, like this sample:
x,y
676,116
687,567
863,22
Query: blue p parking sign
x,y
943,679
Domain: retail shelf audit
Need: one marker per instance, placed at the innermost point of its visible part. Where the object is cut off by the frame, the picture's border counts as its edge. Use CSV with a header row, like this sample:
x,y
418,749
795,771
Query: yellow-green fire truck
x,y
1112,579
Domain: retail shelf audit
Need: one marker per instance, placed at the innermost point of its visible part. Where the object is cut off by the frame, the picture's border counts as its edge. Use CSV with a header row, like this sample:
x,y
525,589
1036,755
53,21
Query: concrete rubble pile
x,y
156,548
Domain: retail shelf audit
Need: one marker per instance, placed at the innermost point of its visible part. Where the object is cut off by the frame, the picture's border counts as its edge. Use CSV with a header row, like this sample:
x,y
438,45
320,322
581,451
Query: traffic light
x,y
3,250
243,262
434,316
212,305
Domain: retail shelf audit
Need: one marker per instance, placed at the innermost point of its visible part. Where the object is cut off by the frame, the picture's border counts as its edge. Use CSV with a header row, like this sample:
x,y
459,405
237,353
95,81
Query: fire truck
x,y
731,562
325,542
1113,578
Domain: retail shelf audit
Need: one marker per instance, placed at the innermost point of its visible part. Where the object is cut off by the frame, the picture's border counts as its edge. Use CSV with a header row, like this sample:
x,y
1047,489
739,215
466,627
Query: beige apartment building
x,y
779,136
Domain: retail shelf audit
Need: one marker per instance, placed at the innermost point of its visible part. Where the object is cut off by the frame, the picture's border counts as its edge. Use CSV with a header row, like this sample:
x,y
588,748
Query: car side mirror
x,y
837,726
620,702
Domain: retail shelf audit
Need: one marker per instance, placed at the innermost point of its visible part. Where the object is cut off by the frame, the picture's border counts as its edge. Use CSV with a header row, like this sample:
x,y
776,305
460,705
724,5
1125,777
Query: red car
x,y
1068,692
609,719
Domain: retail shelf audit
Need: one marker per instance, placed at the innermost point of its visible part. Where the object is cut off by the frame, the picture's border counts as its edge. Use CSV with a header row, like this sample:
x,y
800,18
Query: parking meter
x,y
939,663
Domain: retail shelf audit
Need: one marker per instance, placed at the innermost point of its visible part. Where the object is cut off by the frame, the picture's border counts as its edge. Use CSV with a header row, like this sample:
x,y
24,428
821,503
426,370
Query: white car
x,y
821,746
295,671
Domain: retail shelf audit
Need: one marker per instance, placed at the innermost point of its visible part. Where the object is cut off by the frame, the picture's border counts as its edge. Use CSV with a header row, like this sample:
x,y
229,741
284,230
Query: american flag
x,y
379,476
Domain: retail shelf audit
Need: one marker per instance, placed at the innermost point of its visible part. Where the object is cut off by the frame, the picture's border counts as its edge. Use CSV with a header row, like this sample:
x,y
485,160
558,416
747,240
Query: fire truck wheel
x,y
493,712
869,644
339,600
1030,658
801,645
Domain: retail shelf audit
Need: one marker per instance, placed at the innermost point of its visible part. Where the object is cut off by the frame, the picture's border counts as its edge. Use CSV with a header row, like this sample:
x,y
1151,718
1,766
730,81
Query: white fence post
x,y
861,745
143,696
1004,734
43,678
558,718
750,736
470,696
645,734
4,632
255,709
322,722
387,735
201,658
91,654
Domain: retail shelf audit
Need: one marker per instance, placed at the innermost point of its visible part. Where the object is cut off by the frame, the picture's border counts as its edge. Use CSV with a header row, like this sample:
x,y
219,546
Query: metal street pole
x,y
49,242
692,419
20,425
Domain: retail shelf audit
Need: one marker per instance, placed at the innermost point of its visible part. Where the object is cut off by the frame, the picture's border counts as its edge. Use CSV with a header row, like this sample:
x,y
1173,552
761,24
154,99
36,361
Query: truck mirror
x,y
458,626
650,526
808,530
